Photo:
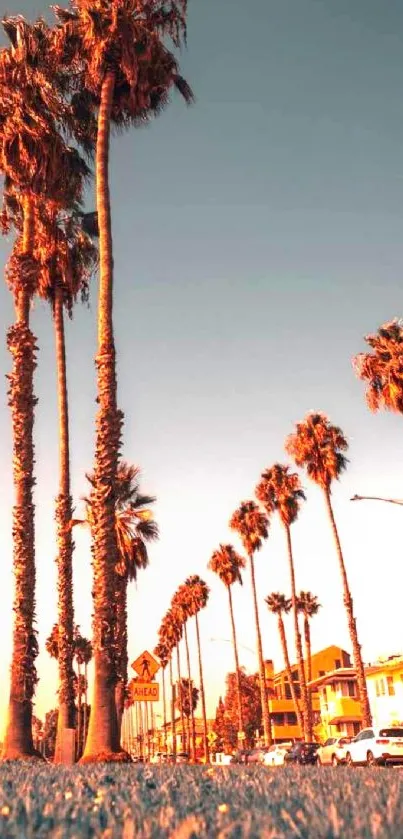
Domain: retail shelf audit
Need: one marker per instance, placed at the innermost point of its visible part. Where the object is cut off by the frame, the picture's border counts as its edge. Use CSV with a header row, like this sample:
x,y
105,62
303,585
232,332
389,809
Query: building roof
x,y
395,662
333,648
338,675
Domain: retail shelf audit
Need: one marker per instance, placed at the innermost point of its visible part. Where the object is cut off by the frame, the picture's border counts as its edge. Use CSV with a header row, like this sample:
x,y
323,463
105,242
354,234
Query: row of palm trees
x,y
103,63
319,447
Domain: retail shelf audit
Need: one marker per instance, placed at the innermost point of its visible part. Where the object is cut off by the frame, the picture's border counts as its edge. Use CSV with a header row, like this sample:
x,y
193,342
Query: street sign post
x,y
146,666
144,691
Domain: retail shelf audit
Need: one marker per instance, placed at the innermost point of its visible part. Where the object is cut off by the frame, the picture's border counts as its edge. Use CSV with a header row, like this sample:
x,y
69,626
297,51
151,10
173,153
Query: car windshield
x,y
391,732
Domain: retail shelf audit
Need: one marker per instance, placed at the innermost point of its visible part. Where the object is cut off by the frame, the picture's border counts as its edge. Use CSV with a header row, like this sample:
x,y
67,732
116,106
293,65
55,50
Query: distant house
x,y
385,690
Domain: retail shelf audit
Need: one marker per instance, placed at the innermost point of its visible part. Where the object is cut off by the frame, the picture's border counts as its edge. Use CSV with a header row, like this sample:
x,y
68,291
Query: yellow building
x,y
340,710
281,706
385,691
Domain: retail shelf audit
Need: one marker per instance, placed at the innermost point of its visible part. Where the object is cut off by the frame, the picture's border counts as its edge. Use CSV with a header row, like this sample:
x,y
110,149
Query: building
x,y
281,706
339,707
385,691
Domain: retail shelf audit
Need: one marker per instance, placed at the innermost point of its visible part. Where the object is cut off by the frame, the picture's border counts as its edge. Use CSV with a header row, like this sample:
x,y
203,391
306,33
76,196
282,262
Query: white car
x,y
275,755
333,751
376,746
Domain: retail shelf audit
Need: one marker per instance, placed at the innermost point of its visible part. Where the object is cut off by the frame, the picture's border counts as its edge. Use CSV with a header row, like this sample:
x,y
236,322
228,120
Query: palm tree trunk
x,y
237,676
308,659
18,741
298,642
121,648
287,663
203,697
190,692
63,516
173,722
79,714
262,675
183,735
164,709
352,626
103,735
85,720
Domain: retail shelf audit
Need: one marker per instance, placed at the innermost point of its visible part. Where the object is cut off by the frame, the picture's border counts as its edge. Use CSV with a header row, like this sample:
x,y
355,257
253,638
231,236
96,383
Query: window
x,y
288,694
391,687
377,691
322,673
291,718
277,719
337,664
352,688
391,732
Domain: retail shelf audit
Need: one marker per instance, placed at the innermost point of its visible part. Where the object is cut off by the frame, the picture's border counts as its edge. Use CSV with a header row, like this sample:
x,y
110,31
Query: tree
x,y
280,490
182,602
227,564
308,605
279,605
83,656
251,708
68,258
170,633
219,726
49,733
198,599
162,652
34,159
134,526
319,447
382,369
252,525
129,73
178,617
186,693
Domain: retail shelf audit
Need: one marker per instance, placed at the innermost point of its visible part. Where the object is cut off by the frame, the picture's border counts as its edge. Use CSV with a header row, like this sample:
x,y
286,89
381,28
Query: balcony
x,y
342,709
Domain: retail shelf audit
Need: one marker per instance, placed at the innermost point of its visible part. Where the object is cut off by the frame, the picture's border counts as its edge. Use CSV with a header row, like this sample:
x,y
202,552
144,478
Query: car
x,y
376,746
255,755
221,759
182,757
276,754
333,750
302,753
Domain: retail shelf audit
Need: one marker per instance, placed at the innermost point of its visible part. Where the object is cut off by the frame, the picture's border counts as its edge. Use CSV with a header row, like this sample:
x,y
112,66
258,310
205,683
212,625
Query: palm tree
x,y
280,490
183,602
129,73
178,617
308,605
134,527
85,655
199,594
252,526
68,258
381,369
170,634
33,160
227,564
162,652
319,447
279,604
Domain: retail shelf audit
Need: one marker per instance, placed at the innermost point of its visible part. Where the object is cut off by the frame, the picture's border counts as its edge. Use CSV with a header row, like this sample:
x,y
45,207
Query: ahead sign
x,y
144,691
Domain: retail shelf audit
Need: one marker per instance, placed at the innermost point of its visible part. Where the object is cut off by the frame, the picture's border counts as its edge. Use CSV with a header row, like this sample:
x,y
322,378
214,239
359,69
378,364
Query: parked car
x,y
182,757
276,754
376,746
333,750
302,753
256,755
221,759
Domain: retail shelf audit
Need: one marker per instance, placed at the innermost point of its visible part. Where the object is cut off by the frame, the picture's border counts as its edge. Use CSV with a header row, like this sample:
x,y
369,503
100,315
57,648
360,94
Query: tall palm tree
x,y
382,368
67,257
170,634
308,605
134,526
162,653
129,73
280,490
319,447
199,594
33,161
279,605
227,564
183,602
252,525
178,617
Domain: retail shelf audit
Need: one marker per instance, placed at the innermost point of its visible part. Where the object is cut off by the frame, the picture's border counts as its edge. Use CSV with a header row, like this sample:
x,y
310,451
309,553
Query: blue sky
x,y
258,238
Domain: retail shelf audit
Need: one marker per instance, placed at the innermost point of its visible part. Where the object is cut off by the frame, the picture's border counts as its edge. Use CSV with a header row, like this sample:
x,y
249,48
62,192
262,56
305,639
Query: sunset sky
x,y
258,238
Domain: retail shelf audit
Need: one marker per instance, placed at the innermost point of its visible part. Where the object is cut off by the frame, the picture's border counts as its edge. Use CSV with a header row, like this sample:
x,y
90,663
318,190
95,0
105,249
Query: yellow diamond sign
x,y
146,666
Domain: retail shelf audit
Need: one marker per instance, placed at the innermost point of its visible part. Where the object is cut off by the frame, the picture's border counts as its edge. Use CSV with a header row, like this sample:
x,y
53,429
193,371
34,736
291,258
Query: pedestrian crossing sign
x,y
146,666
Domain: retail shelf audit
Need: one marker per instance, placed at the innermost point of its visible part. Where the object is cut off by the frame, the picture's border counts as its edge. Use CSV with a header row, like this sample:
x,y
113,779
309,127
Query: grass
x,y
129,802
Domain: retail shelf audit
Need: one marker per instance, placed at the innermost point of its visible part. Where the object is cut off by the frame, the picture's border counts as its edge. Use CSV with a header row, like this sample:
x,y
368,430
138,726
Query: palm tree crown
x,y
318,446
308,604
280,490
199,593
227,563
382,369
278,603
251,524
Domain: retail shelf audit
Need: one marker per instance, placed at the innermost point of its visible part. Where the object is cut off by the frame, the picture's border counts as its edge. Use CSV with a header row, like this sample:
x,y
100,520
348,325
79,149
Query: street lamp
x,y
376,498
